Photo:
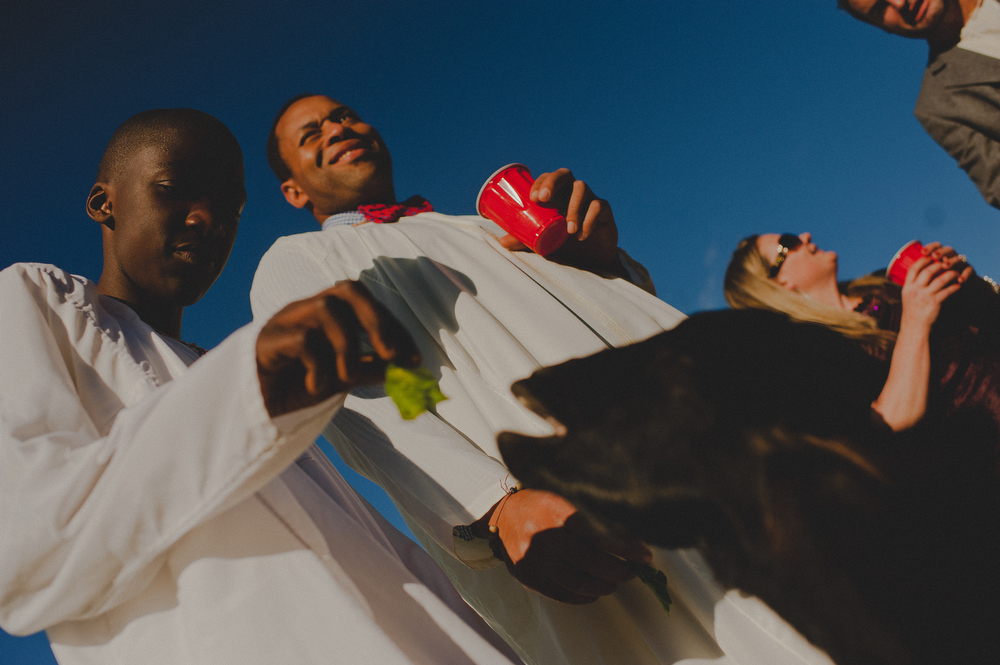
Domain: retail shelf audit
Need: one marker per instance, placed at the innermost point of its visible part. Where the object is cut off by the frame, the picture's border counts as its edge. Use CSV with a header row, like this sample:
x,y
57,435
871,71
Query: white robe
x,y
163,522
484,317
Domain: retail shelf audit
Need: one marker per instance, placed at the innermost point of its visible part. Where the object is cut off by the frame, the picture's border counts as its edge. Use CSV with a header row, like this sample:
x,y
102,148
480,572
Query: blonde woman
x,y
788,273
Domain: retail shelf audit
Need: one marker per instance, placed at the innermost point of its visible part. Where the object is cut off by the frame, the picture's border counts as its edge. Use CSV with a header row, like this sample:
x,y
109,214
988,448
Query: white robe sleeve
x,y
93,490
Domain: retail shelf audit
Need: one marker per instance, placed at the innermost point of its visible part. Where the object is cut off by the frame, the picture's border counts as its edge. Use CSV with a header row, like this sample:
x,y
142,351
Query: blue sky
x,y
701,122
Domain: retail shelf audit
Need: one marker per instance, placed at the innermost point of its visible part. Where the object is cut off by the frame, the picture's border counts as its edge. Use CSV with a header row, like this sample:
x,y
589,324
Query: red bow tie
x,y
383,213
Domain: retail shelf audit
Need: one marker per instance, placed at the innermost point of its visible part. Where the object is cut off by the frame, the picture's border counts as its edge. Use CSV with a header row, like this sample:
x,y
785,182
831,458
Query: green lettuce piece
x,y
412,390
655,580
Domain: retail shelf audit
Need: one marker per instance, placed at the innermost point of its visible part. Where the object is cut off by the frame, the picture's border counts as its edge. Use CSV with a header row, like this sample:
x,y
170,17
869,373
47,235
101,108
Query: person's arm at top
x,y
903,400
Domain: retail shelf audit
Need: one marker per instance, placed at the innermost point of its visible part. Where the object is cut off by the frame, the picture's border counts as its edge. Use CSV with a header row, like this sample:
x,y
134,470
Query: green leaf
x,y
412,390
655,580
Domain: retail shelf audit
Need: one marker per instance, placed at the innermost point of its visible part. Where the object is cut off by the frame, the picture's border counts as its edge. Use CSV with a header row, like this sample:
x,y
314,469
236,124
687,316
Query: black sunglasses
x,y
786,243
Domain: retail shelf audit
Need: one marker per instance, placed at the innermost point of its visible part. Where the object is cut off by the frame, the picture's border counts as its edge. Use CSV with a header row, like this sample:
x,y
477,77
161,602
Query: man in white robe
x,y
482,317
163,511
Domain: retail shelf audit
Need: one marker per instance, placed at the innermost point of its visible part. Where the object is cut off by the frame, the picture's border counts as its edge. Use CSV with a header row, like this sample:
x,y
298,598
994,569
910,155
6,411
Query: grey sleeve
x,y
960,108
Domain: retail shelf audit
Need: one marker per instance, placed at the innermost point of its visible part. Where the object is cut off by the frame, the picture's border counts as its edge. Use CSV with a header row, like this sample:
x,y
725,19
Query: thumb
x,y
512,243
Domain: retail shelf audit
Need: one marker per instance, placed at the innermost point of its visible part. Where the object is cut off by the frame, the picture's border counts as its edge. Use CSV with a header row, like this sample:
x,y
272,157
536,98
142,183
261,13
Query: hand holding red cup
x,y
505,199
914,250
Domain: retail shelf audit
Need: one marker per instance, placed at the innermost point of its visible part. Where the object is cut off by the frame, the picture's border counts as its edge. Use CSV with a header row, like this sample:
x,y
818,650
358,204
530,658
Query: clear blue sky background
x,y
700,121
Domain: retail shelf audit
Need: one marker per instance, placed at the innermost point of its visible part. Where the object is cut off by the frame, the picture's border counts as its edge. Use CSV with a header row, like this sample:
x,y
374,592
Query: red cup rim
x,y
899,254
487,181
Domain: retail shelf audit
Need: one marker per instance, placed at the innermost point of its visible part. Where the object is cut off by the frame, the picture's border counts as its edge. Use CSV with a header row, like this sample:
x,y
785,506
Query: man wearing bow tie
x,y
959,102
483,313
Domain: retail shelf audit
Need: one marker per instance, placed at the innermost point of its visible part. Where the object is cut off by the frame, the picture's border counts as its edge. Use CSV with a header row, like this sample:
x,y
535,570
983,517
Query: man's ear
x,y
99,204
293,194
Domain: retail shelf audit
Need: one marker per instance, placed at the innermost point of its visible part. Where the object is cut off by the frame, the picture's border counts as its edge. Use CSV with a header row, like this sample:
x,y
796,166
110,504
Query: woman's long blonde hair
x,y
747,285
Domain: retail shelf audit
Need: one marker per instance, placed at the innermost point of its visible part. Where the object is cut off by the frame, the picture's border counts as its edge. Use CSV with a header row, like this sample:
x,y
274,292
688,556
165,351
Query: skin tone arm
x,y
315,348
903,400
593,241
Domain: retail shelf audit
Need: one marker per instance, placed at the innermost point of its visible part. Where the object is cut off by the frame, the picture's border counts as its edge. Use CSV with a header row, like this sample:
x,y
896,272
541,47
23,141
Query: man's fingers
x,y
317,358
388,337
512,243
593,218
541,189
550,185
342,328
312,348
333,340
579,197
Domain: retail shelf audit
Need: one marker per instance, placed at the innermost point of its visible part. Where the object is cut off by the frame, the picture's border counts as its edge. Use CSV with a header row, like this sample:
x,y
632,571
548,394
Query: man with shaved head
x,y
164,505
484,313
959,102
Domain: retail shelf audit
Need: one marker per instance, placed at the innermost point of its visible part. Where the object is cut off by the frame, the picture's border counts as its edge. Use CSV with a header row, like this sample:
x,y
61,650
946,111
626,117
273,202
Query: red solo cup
x,y
904,258
504,200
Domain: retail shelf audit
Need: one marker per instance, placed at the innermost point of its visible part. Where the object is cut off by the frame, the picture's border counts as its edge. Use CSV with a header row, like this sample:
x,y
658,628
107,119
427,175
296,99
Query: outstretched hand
x,y
555,551
593,234
327,344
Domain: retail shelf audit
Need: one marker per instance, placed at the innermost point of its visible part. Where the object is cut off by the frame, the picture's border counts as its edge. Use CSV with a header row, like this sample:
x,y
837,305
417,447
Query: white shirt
x,y
163,522
981,32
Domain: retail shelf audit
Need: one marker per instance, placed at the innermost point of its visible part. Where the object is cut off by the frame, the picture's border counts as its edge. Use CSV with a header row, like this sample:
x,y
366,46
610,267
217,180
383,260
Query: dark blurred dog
x,y
750,437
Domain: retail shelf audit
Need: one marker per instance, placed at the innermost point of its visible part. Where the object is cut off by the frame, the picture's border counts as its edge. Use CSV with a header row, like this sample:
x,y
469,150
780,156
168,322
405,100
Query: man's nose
x,y
202,214
332,131
805,237
898,4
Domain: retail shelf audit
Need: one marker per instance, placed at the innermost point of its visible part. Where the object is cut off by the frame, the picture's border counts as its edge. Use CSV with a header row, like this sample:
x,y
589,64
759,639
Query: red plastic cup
x,y
504,200
904,258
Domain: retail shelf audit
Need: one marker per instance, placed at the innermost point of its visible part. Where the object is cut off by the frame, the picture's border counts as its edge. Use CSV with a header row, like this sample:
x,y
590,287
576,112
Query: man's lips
x,y
194,252
346,151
